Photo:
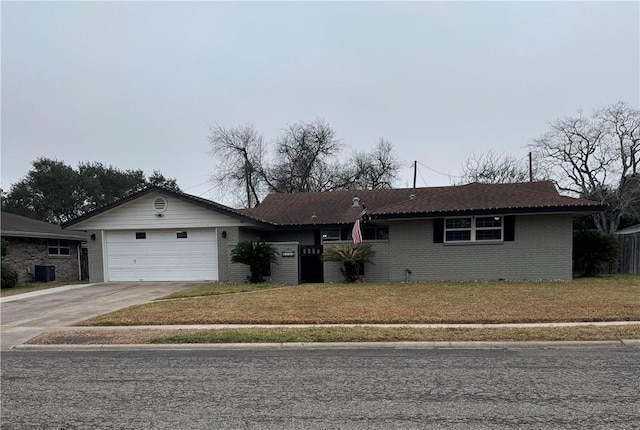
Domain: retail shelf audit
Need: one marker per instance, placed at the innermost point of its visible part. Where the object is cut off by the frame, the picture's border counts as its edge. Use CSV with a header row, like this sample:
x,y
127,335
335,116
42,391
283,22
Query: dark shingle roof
x,y
20,226
337,207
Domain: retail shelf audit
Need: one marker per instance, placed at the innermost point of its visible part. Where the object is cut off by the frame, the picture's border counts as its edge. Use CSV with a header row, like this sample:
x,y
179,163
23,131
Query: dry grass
x,y
601,299
336,334
36,286
217,289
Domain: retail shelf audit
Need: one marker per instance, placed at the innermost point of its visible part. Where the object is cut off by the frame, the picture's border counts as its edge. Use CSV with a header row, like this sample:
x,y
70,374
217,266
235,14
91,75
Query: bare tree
x,y
304,158
494,168
376,169
307,157
239,152
596,157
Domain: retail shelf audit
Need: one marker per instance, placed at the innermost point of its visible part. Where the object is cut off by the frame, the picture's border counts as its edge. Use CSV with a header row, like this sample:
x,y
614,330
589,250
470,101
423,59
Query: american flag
x,y
356,233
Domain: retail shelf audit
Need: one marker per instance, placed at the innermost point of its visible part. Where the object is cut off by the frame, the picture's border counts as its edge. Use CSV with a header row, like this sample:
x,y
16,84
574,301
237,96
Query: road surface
x,y
496,388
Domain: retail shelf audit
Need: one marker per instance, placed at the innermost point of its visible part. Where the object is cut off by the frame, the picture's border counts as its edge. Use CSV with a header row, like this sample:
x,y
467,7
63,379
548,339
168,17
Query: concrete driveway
x,y
24,316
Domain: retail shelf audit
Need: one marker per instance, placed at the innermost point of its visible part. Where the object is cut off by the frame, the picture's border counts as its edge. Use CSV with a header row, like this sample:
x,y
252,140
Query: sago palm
x,y
256,255
352,257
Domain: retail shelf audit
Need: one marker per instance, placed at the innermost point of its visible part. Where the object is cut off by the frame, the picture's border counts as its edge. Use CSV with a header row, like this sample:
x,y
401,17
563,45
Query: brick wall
x,y
376,272
94,248
231,236
23,254
542,249
285,272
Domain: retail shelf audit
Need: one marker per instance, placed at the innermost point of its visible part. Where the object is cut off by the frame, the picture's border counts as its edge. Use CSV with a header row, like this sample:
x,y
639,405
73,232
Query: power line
x,y
422,177
194,186
206,192
440,173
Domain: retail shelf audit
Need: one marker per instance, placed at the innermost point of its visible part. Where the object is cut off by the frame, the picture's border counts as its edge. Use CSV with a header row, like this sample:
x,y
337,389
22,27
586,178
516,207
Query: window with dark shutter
x,y
438,230
509,228
472,229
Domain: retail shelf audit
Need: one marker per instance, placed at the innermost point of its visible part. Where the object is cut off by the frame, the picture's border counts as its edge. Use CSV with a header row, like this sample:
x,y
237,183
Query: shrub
x,y
257,255
352,257
9,276
594,253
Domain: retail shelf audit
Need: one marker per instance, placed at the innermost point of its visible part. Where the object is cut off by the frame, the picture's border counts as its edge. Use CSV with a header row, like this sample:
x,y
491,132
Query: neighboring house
x,y
468,232
629,240
40,250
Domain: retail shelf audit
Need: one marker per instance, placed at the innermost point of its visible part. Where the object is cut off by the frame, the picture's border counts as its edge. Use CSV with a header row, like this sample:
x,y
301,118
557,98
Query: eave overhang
x,y
203,203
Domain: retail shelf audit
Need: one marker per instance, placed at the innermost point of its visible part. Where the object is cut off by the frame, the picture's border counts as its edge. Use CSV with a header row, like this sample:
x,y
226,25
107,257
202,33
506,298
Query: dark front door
x,y
311,269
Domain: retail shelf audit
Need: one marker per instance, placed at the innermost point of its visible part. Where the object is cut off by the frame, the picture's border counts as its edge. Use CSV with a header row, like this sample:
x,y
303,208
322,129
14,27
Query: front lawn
x,y
594,299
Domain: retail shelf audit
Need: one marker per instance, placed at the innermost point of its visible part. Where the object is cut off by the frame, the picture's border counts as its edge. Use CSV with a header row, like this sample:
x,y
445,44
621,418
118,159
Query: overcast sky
x,y
138,84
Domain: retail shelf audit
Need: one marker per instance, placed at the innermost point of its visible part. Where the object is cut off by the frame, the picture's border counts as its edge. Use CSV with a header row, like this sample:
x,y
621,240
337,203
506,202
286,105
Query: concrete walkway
x,y
227,326
24,316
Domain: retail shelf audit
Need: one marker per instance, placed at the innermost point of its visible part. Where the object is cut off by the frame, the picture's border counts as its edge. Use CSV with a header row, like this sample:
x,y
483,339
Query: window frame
x,y
325,237
373,233
473,229
58,246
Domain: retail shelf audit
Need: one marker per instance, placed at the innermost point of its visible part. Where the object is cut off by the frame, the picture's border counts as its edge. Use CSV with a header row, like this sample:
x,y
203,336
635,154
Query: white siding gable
x,y
140,214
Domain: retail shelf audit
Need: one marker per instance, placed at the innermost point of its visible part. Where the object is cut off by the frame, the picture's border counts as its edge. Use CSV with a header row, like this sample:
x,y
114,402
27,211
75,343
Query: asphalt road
x,y
500,388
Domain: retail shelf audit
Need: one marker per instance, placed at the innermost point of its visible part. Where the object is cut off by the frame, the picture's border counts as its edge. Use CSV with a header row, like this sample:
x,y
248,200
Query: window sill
x,y
475,243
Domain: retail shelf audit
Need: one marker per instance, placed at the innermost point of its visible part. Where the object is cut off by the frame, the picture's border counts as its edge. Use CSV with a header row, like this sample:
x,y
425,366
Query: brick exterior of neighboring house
x,y
469,232
34,243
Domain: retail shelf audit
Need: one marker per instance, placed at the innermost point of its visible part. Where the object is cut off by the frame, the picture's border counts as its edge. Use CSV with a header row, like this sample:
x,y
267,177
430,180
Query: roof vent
x,y
356,201
412,196
160,204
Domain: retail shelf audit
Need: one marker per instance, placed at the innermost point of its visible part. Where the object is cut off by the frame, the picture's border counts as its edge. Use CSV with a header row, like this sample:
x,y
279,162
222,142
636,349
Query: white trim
x,y
105,256
473,229
164,203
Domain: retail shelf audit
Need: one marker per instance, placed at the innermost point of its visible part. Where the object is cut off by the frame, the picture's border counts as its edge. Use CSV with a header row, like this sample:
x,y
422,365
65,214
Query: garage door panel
x,y
162,256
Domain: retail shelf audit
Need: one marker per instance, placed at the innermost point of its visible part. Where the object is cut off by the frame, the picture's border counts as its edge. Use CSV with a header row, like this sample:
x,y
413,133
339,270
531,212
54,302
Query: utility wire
x,y
440,173
206,192
422,177
194,186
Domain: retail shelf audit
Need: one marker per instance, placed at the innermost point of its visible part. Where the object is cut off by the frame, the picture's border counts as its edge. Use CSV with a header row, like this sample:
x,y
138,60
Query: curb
x,y
633,343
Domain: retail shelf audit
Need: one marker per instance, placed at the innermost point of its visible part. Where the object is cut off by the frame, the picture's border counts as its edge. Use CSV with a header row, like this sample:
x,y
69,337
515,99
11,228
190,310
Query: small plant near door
x,y
352,257
257,255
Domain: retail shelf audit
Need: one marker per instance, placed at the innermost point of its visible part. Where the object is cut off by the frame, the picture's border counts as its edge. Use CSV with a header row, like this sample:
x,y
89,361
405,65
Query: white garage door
x,y
162,255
